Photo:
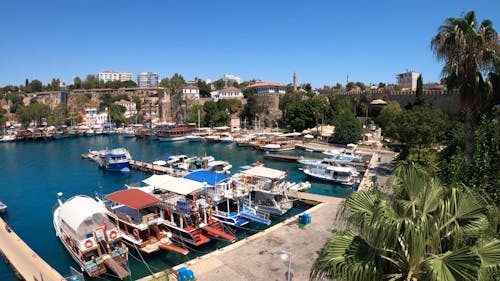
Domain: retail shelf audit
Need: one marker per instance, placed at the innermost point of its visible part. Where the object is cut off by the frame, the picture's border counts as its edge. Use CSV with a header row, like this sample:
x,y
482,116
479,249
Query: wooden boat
x,y
3,208
91,239
174,133
139,216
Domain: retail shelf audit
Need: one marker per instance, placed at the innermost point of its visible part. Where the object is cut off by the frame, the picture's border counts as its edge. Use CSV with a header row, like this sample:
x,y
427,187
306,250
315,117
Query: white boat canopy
x,y
83,214
264,172
339,169
176,185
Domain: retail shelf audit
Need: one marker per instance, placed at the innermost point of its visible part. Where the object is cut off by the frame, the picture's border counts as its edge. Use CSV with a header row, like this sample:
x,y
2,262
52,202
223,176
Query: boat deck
x,y
23,259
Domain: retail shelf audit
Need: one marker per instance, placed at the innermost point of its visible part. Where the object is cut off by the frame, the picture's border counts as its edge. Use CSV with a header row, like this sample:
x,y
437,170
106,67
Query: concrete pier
x,y
27,264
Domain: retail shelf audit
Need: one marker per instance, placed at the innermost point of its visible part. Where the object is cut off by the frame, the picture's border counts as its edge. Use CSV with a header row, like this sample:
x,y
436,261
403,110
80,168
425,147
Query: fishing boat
x,y
187,214
139,216
115,160
345,175
7,138
268,188
91,239
3,207
227,203
174,133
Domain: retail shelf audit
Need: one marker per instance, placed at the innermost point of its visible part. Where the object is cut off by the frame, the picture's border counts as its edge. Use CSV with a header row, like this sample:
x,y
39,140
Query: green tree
x,y
77,83
423,231
138,102
419,94
389,119
467,50
219,84
204,88
3,118
35,86
23,115
129,84
211,109
90,82
347,128
116,113
193,114
252,108
38,112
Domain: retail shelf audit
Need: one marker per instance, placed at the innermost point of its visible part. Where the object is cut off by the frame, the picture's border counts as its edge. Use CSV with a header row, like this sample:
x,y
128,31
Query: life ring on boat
x,y
210,200
88,243
222,193
167,210
113,234
135,232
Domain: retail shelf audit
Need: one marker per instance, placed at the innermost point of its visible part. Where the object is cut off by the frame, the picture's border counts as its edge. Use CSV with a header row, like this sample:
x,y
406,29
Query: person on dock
x,y
7,227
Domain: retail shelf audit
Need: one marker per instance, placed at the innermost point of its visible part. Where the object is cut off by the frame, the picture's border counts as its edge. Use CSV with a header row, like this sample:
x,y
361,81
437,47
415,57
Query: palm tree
x,y
423,231
469,51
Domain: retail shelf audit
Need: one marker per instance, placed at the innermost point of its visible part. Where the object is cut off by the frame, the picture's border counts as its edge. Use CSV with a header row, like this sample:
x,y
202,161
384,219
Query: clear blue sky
x,y
322,41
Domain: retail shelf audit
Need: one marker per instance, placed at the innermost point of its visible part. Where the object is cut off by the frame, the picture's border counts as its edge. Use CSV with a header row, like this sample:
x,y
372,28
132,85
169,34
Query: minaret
x,y
294,82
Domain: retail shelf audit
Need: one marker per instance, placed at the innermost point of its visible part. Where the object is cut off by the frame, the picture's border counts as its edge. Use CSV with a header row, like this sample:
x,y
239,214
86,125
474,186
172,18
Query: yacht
x,y
91,239
345,175
115,160
3,207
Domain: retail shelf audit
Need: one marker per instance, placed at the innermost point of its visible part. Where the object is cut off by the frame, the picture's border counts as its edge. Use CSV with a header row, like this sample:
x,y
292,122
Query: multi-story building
x,y
109,75
266,88
408,80
227,93
190,91
130,107
148,79
94,117
231,79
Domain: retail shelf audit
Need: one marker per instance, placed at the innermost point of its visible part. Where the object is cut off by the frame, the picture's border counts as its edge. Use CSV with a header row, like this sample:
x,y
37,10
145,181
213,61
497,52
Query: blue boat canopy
x,y
167,156
210,178
116,155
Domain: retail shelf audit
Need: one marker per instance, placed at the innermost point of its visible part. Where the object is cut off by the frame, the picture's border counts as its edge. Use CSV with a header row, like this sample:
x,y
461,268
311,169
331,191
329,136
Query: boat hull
x,y
329,179
171,139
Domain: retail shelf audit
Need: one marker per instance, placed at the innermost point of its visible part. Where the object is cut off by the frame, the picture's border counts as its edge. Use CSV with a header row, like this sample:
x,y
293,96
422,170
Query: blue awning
x,y
210,178
116,155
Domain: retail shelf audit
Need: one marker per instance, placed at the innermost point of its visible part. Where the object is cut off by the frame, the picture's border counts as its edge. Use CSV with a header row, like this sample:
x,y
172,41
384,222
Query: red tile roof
x,y
133,198
190,87
230,89
265,84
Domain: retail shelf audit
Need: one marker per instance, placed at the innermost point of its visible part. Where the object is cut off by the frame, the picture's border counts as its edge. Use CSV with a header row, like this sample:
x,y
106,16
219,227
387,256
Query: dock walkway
x,y
23,259
156,169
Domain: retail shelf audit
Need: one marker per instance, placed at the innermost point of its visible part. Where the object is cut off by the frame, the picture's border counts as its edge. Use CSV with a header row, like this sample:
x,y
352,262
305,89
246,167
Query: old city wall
x,y
269,105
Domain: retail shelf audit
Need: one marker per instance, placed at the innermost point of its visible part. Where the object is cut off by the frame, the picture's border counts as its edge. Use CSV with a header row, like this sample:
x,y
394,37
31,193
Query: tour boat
x,y
268,188
3,207
139,216
115,160
226,203
92,240
226,138
194,138
345,175
175,133
212,138
277,147
218,166
186,213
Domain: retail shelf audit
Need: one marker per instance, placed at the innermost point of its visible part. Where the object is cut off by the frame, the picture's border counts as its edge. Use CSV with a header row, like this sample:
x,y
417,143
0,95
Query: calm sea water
x,y
31,173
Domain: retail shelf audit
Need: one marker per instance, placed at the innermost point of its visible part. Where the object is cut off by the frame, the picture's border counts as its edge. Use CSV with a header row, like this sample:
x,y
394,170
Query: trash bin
x,y
374,178
304,220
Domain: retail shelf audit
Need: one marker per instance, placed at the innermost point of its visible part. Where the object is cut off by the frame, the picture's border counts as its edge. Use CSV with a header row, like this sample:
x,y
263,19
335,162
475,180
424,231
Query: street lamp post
x,y
285,255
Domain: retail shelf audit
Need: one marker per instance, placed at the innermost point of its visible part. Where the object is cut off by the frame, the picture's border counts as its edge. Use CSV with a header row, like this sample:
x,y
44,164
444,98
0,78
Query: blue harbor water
x,y
31,173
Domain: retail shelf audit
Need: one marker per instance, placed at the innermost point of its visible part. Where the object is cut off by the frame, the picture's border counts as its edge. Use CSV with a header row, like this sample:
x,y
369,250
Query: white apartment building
x,y
227,93
263,88
130,106
408,80
148,80
109,75
94,117
231,79
190,91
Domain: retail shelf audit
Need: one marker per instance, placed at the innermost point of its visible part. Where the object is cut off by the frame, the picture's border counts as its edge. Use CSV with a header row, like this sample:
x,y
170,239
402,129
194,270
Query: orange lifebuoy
x,y
88,243
210,200
135,232
112,234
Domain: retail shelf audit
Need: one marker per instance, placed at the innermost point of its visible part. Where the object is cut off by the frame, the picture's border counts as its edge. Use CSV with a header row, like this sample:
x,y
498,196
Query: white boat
x,y
345,175
7,138
128,132
90,133
115,160
92,240
194,138
277,147
212,138
218,166
139,216
3,207
268,189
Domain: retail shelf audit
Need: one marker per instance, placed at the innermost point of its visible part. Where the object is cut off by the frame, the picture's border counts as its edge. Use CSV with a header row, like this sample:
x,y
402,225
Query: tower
x,y
294,82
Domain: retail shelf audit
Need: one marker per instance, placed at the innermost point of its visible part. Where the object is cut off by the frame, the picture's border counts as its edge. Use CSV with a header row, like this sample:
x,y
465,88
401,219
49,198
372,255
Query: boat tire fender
x,y
88,243
135,232
112,234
